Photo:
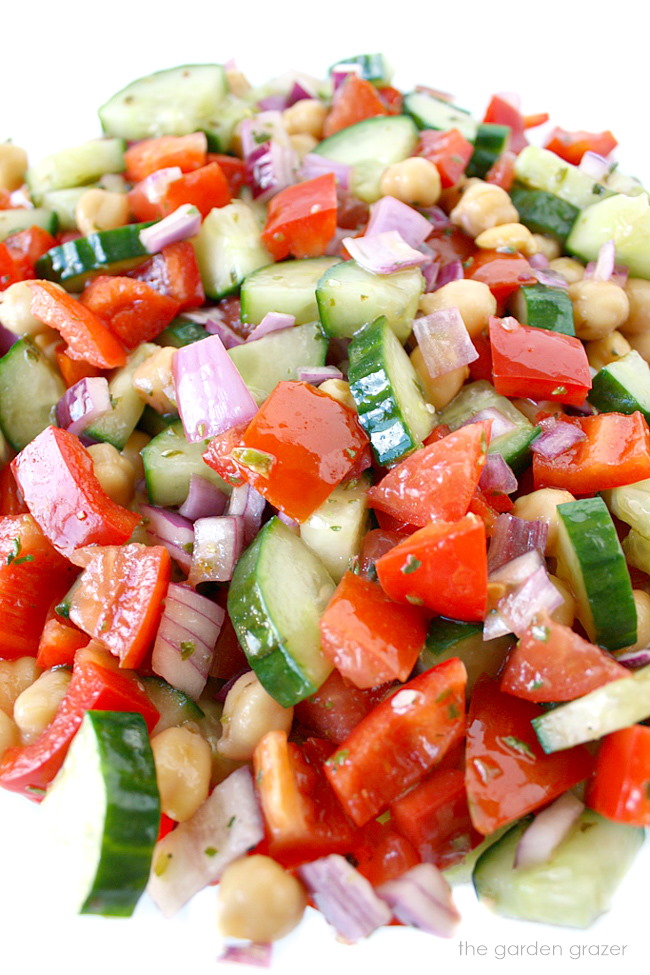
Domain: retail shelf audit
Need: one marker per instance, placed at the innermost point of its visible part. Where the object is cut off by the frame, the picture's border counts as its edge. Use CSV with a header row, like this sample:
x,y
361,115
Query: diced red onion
x,y
302,88
452,271
318,374
550,278
313,165
340,74
195,854
512,537
273,103
538,843
497,476
436,217
430,273
257,955
203,500
171,530
344,897
256,131
270,168
210,393
538,260
155,184
184,646
7,338
273,321
218,543
536,594
444,341
517,570
383,253
500,422
606,261
215,326
634,658
184,222
557,438
494,627
248,504
422,898
83,403
594,165
286,520
389,213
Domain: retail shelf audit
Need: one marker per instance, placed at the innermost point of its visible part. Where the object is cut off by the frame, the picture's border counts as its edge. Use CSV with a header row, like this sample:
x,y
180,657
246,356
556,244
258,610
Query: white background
x,y
587,66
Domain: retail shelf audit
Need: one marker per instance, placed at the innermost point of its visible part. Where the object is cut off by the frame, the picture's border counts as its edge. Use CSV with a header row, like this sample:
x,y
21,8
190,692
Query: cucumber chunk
x,y
622,386
576,885
117,426
452,638
103,810
386,139
490,142
173,706
74,263
335,531
541,169
169,462
429,112
631,504
542,307
277,356
544,213
12,221
288,287
228,247
30,388
372,67
76,166
623,219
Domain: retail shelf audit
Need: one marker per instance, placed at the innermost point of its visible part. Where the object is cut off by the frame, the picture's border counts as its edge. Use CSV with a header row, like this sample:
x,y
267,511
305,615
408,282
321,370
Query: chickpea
x,y
16,310
238,83
13,166
339,390
114,472
571,270
508,235
638,296
38,703
8,733
599,307
302,143
473,299
483,205
642,604
131,451
547,246
101,210
603,351
183,765
566,611
441,390
542,505
154,381
305,117
259,900
15,676
415,180
248,714
48,341
641,342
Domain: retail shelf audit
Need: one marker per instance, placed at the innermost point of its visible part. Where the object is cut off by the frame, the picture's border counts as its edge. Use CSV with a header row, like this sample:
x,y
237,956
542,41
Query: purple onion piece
x,y
313,165
261,129
218,543
318,374
83,403
494,627
422,898
452,271
444,341
538,260
185,642
7,339
606,261
497,476
184,222
550,278
257,955
273,103
537,594
203,499
171,530
430,273
341,72
500,422
436,217
594,165
513,537
248,504
538,843
557,439
389,213
273,321
270,167
301,89
155,184
517,569
383,253
344,897
634,658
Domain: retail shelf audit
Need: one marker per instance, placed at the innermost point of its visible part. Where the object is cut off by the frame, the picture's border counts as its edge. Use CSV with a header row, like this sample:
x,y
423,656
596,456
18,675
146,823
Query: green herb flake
x,y
541,633
230,822
161,864
452,712
411,565
16,546
338,759
351,452
24,558
414,600
519,746
210,851
187,649
559,391
258,461
335,528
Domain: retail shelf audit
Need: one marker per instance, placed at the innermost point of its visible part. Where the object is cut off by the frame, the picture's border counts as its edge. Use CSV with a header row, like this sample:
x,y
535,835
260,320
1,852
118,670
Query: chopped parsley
x,y
518,746
187,649
411,565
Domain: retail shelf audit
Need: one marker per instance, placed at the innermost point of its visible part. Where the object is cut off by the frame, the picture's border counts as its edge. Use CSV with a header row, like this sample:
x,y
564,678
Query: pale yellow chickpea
x,y
302,143
131,451
13,166
101,210
608,349
38,703
566,611
183,763
339,390
48,341
16,311
483,205
441,390
15,677
238,83
642,604
542,505
473,299
249,713
305,117
599,307
513,236
415,180
641,342
9,734
153,380
547,246
570,269
638,296
259,900
114,472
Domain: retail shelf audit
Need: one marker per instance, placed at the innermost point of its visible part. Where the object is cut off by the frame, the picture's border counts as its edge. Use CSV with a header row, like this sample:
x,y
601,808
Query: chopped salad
x,y
325,504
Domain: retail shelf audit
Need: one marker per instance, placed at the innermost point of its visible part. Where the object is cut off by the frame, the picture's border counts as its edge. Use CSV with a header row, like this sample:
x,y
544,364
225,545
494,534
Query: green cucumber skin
x,y
30,388
75,262
434,113
169,462
622,386
13,221
548,308
385,139
180,333
287,286
490,141
544,213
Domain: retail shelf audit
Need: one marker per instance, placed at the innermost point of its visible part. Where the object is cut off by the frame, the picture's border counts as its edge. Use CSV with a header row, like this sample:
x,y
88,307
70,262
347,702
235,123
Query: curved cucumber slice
x,y
573,888
30,388
173,706
12,221
169,462
430,112
117,426
288,287
108,251
386,139
76,166
103,810
228,247
278,356
624,219
541,169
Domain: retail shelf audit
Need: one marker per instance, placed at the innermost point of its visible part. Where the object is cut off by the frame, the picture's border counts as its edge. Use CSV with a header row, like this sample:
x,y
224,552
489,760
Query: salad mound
x,y
325,504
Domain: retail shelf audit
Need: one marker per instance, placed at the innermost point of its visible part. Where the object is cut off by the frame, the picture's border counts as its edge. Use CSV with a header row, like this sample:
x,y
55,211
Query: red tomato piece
x,y
218,456
503,273
572,146
205,189
537,363
450,151
356,100
507,774
481,368
312,440
502,111
552,663
32,576
369,638
96,685
451,244
174,272
301,219
381,853
55,475
132,310
11,500
615,452
188,152
10,271
336,708
480,506
401,740
59,643
376,543
435,482
26,246
72,370
86,335
442,566
502,172
392,99
119,595
234,170
620,788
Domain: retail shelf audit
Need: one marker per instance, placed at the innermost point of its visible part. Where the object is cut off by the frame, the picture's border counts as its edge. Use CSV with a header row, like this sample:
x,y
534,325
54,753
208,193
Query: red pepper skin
x,y
72,370
356,100
132,310
503,273
11,500
10,271
301,219
450,152
26,246
234,170
620,787
175,273
55,475
187,152
95,685
500,111
59,643
336,708
86,335
382,853
571,146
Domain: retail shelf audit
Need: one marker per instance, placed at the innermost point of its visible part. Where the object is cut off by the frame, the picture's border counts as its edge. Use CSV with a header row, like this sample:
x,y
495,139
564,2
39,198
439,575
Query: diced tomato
x,y
376,543
368,637
537,118
450,151
234,170
32,576
380,853
119,595
503,273
11,500
55,475
26,246
401,740
188,152
86,335
451,244
502,171
174,272
10,272
302,816
571,146
434,816
392,99
218,456
312,440
503,111
481,368
479,506
615,452
435,482
507,774
620,788
356,100
390,524
96,684
538,363
301,219
442,566
336,708
73,370
553,663
132,310
205,189
59,643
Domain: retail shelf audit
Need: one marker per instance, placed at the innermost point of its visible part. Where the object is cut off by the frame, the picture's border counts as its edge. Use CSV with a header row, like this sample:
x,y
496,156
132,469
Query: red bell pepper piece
x,y
536,363
59,643
188,152
450,151
96,685
506,773
442,566
55,475
132,310
10,272
234,170
368,637
616,451
620,787
356,100
401,740
381,853
336,708
174,272
503,273
502,111
502,171
301,219
26,246
218,456
205,189
72,370
11,500
86,335
572,146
